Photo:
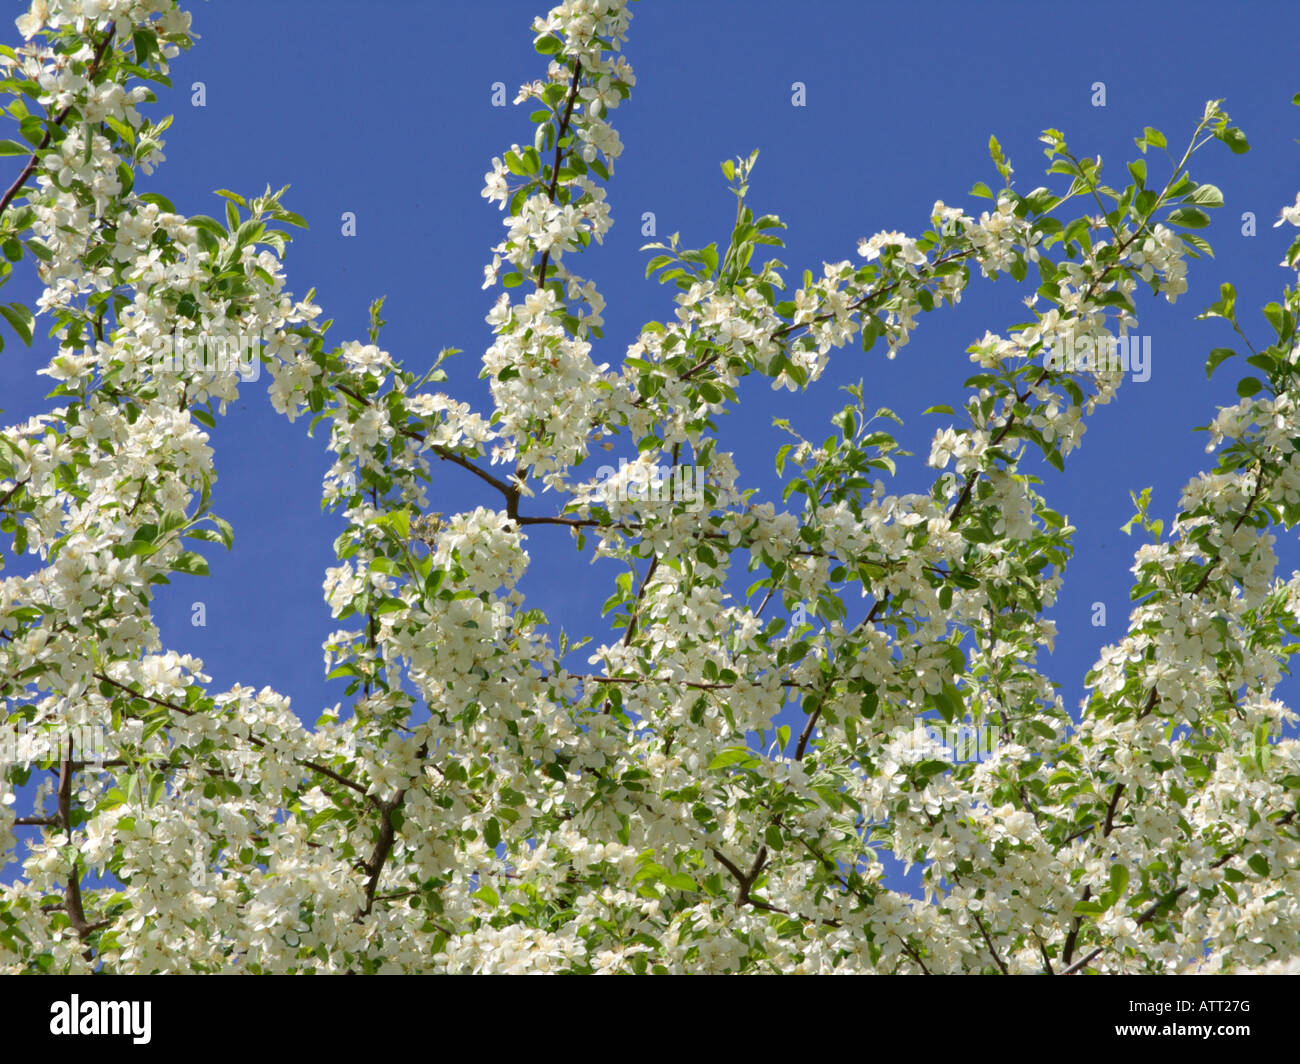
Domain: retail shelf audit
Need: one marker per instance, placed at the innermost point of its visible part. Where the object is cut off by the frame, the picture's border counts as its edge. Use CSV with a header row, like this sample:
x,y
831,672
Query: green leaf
x,y
224,530
658,262
780,458
21,319
1235,139
203,222
1259,864
1206,196
1042,728
397,522
161,202
172,519
1040,200
146,45
1196,243
950,703
189,562
1280,320
933,767
1219,354
1154,137
870,701
733,756
998,157
1191,217
1226,305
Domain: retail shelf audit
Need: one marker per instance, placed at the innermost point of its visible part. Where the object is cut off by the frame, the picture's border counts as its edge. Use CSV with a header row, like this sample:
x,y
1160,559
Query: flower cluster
x,y
498,797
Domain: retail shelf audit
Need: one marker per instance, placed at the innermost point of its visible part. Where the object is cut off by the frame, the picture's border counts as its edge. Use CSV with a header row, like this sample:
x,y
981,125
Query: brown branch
x,y
448,455
30,168
383,847
1149,913
726,863
1042,949
989,942
445,453
811,723
1250,505
1092,288
631,623
521,473
871,615
252,739
1110,810
1083,962
72,904
568,522
384,844
914,955
1072,938
745,880
790,327
555,166
1153,699
692,684
975,474
372,626
873,294
4,499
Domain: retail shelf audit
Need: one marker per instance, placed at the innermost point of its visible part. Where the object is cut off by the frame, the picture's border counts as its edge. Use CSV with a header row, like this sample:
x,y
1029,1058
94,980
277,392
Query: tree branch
x,y
30,168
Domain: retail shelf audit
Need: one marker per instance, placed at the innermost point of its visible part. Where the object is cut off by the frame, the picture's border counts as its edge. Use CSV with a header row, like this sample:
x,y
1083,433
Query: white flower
x,y
1290,214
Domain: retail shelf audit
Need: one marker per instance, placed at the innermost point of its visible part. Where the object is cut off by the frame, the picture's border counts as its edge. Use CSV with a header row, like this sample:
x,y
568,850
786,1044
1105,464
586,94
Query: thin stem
x,y
30,168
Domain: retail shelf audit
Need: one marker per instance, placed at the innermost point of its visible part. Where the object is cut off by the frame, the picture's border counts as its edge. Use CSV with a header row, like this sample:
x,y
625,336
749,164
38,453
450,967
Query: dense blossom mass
x,y
497,798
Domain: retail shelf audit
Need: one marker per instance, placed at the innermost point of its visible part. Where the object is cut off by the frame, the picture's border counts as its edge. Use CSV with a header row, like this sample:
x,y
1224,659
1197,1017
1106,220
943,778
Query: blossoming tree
x,y
496,799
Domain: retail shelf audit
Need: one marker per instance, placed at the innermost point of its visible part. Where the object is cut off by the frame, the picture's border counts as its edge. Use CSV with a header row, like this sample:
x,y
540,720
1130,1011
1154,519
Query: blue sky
x,y
383,109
